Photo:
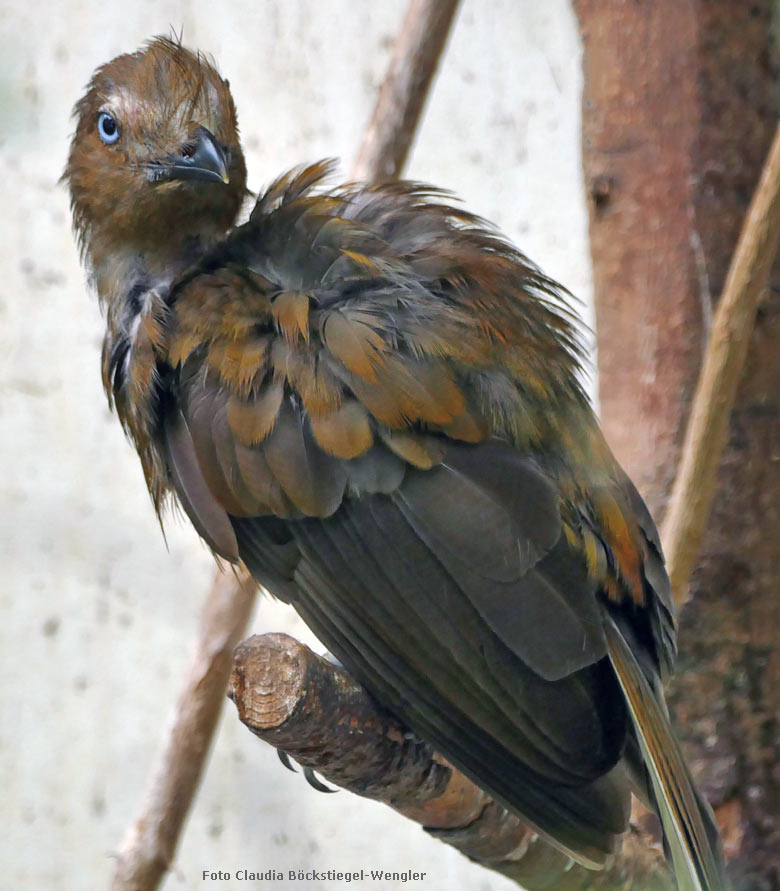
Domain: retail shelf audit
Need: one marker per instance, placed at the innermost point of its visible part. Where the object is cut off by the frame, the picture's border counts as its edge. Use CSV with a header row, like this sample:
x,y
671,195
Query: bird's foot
x,y
308,772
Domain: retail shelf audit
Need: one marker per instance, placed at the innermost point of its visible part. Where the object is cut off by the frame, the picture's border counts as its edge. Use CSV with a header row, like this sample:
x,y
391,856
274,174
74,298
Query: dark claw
x,y
285,759
315,782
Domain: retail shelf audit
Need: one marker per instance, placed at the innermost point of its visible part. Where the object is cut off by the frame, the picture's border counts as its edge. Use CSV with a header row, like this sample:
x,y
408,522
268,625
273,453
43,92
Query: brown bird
x,y
373,400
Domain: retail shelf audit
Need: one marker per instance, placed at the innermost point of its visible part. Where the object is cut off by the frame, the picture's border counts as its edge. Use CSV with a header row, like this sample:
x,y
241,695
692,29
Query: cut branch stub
x,y
306,706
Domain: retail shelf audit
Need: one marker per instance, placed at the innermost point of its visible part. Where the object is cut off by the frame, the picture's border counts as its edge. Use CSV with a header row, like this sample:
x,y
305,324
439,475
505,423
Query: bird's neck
x,y
133,285
124,275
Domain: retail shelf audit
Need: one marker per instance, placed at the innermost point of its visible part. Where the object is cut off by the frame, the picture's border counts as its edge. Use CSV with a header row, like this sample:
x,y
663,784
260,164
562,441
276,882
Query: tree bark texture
x,y
723,367
679,110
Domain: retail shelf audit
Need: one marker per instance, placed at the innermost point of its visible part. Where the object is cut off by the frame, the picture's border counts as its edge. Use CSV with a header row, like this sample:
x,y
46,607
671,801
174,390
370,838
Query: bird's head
x,y
155,160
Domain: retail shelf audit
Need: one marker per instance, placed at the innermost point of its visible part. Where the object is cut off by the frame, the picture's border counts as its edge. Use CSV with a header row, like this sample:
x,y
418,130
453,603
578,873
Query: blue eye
x,y
107,128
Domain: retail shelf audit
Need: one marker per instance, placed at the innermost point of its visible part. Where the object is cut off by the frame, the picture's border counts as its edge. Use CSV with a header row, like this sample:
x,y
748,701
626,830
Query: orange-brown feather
x,y
290,310
415,448
622,535
344,432
354,343
253,418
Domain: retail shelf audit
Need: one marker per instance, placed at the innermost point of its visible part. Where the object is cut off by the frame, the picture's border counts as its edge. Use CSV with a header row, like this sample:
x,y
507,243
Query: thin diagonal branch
x,y
149,845
404,90
707,430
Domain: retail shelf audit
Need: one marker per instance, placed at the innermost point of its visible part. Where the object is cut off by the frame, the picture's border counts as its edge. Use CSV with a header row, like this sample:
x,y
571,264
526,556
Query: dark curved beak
x,y
203,159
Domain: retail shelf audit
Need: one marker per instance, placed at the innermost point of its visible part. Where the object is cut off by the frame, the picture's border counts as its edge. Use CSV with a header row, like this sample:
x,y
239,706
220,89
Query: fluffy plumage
x,y
373,399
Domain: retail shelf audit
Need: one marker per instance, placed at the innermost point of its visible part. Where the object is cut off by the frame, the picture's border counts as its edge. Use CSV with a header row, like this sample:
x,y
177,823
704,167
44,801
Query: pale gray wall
x,y
96,616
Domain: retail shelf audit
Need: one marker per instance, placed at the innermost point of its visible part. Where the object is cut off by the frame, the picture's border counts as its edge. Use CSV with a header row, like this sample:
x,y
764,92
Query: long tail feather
x,y
688,824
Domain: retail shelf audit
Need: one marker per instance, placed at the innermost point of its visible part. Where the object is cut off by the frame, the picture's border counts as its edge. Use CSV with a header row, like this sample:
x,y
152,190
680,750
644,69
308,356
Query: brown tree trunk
x,y
678,113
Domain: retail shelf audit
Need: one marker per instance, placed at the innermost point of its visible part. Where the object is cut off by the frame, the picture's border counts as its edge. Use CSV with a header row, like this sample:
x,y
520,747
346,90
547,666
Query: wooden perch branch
x,y
403,92
149,845
315,712
707,430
